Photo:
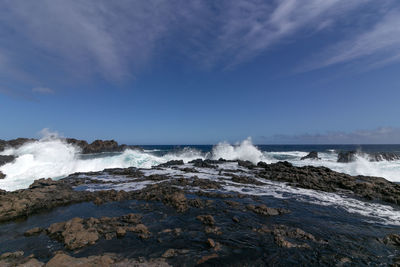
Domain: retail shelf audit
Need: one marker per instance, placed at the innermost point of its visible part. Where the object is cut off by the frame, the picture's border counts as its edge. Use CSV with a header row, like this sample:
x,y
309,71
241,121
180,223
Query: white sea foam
x,y
243,151
52,157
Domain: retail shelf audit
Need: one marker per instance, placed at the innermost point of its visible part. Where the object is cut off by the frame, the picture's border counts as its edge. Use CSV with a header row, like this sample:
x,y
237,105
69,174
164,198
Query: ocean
x,y
53,158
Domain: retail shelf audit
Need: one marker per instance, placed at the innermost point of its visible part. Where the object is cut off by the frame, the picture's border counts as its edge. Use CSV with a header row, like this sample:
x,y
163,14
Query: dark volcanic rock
x,y
347,156
381,156
324,179
311,155
204,163
171,163
245,163
350,156
6,159
78,233
265,211
43,194
2,175
284,235
15,143
99,146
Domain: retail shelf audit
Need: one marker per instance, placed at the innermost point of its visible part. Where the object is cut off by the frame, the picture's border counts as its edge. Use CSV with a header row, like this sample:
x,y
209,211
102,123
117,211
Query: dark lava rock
x,y
43,194
2,175
100,146
347,156
177,200
324,179
283,236
6,159
206,219
204,163
171,163
381,156
393,239
311,155
15,143
33,231
78,233
246,164
265,211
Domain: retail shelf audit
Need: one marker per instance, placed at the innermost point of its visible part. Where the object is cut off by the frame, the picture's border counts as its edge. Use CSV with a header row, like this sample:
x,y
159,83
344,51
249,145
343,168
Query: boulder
x,y
2,175
311,155
346,156
6,159
171,163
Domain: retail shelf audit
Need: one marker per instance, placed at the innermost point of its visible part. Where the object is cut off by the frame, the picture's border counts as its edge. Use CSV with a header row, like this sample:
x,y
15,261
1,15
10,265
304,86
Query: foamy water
x,y
52,157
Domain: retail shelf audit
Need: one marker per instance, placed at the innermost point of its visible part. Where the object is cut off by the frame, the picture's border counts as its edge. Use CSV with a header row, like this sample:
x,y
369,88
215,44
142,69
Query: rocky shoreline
x,y
181,215
97,146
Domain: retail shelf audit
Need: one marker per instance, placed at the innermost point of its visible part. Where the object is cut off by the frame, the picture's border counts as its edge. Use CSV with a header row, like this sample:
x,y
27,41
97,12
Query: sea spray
x,y
52,157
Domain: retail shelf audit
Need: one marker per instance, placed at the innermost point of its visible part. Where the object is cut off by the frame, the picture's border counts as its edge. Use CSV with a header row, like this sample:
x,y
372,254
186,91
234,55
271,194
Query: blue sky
x,y
200,72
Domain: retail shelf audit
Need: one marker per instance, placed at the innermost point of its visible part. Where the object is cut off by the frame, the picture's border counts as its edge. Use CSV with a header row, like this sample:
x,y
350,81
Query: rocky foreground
x,y
199,213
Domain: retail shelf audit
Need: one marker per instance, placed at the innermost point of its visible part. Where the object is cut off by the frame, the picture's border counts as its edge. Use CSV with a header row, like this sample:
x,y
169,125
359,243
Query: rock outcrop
x,y
6,159
311,155
351,156
324,179
15,143
78,233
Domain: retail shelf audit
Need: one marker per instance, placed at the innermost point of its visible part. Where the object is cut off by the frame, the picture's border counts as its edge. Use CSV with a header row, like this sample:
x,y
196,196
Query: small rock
x,y
211,242
121,232
206,219
207,257
33,231
235,219
169,253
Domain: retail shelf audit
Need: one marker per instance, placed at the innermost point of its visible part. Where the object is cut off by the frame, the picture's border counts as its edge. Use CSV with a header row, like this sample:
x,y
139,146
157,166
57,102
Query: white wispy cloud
x,y
378,45
43,90
116,39
383,135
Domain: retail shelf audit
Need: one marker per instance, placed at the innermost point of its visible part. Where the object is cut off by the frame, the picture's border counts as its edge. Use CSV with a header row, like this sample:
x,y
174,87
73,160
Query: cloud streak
x,y
378,46
114,40
384,135
43,90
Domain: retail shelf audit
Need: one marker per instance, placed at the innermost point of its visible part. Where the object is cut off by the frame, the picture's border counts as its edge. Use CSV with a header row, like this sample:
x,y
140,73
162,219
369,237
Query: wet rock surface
x,y
6,159
351,156
311,155
324,179
174,215
97,146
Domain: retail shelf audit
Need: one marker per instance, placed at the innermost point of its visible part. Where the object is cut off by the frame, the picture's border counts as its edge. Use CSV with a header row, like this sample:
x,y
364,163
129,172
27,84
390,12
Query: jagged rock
x,y
171,163
15,143
100,146
393,239
246,164
6,159
324,179
206,258
311,155
283,234
206,219
33,231
78,233
264,210
64,260
347,156
177,200
2,175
